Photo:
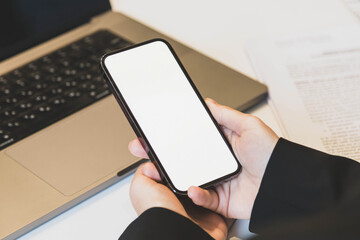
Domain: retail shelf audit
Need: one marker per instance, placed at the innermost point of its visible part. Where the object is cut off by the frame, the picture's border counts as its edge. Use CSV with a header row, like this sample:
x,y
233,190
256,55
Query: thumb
x,y
227,117
148,169
204,198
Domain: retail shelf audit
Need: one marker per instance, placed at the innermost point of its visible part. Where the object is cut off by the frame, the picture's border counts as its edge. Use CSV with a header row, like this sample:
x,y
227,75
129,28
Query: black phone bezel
x,y
137,129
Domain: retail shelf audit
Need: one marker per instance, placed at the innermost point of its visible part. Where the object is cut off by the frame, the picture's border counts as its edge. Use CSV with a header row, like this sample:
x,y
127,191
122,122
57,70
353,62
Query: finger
x,y
145,193
139,175
149,170
204,198
141,186
137,149
145,175
142,182
227,117
210,100
228,133
139,181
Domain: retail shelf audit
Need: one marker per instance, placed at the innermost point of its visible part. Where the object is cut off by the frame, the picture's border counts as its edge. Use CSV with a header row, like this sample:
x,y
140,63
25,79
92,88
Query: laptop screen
x,y
26,23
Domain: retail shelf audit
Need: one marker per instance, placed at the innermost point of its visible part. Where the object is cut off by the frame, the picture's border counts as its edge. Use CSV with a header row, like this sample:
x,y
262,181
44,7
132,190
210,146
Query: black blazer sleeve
x,y
304,194
163,224
307,193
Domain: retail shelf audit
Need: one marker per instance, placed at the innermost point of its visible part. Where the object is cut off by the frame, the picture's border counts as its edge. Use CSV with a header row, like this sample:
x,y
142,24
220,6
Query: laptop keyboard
x,y
54,86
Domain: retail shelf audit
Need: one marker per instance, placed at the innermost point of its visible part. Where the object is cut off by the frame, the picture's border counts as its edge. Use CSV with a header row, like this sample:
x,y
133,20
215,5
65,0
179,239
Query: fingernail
x,y
189,193
211,100
145,170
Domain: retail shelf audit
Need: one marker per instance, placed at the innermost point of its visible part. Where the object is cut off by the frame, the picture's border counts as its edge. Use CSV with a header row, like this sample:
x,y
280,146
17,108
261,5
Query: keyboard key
x,y
32,67
44,108
64,62
5,91
56,78
35,76
41,98
17,73
84,65
70,72
5,136
29,116
49,69
3,81
72,94
25,105
26,93
12,124
40,86
58,101
56,91
9,113
11,100
70,83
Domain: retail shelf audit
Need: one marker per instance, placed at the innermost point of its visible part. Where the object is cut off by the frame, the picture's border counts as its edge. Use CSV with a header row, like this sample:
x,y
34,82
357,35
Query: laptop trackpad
x,y
79,150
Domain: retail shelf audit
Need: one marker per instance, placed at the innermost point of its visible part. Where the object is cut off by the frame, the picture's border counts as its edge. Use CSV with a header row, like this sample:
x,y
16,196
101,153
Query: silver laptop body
x,y
56,168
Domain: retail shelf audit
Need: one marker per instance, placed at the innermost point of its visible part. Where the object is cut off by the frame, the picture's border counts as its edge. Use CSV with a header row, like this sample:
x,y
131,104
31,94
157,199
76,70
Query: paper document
x,y
314,85
354,6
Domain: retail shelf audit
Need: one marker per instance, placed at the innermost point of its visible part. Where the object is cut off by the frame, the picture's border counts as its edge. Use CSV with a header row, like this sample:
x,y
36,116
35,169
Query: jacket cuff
x,y
295,184
161,223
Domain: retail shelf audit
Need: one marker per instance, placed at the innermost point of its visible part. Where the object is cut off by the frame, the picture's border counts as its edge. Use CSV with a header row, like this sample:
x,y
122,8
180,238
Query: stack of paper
x,y
314,84
354,6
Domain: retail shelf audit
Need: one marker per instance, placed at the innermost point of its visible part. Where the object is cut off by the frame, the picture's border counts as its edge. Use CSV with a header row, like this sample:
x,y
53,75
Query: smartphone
x,y
169,116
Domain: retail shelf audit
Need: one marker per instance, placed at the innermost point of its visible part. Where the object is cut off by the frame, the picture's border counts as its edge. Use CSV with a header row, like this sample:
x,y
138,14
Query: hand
x,y
146,192
253,143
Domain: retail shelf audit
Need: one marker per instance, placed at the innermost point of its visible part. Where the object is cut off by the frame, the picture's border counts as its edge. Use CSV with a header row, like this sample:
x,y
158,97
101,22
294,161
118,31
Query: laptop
x,y
63,137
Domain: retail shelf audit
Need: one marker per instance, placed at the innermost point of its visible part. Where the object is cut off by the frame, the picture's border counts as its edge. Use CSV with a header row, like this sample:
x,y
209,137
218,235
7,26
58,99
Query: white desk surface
x,y
219,29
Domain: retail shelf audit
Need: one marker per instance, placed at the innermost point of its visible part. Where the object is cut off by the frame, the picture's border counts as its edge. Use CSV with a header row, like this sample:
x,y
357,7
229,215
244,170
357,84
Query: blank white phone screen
x,y
170,114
